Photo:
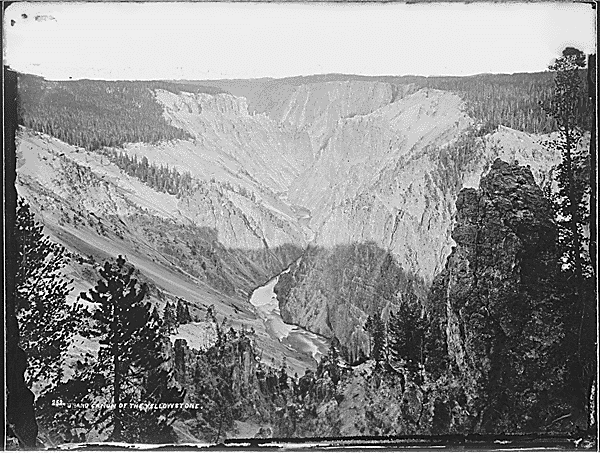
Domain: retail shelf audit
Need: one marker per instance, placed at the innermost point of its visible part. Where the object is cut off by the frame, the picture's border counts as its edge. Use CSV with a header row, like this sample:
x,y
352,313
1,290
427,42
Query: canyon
x,y
358,177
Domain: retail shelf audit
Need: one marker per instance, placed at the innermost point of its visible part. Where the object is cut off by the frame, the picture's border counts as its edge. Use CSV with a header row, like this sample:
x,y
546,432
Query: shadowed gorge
x,y
360,280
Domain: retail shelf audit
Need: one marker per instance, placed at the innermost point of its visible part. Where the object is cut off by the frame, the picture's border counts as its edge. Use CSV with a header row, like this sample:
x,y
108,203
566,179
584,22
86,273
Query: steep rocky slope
x,y
227,136
87,204
389,178
334,291
494,353
364,171
499,305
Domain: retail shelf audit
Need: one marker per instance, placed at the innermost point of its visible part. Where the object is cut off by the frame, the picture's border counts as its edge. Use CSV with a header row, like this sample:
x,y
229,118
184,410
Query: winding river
x,y
295,338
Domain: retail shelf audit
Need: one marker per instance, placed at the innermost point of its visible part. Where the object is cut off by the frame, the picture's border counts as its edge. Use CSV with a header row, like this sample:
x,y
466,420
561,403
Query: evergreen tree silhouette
x,y
406,333
376,329
46,322
572,174
128,334
183,312
169,318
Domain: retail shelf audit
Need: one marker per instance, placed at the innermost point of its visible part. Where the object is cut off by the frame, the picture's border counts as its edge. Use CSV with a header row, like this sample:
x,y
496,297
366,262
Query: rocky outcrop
x,y
223,381
498,305
494,349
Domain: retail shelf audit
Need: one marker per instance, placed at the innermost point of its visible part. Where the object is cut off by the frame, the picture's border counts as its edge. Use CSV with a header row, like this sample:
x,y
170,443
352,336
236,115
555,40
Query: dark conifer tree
x,y
46,322
573,217
406,334
127,332
334,357
376,329
572,177
283,376
183,312
170,318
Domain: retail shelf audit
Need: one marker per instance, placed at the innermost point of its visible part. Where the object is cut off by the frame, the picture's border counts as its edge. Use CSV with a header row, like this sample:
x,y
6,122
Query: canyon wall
x,y
362,175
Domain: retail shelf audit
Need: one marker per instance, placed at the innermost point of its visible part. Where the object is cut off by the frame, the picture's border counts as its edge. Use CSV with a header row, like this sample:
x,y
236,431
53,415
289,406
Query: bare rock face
x,y
498,304
390,178
230,144
494,349
317,108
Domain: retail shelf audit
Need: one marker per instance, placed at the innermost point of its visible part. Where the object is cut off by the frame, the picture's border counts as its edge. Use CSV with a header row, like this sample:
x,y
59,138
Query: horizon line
x,y
298,76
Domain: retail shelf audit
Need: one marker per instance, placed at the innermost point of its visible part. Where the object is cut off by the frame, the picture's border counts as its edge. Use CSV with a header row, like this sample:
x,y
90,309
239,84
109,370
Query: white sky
x,y
247,40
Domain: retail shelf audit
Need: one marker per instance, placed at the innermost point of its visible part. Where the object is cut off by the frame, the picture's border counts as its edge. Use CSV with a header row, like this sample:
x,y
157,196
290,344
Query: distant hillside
x,y
93,114
511,100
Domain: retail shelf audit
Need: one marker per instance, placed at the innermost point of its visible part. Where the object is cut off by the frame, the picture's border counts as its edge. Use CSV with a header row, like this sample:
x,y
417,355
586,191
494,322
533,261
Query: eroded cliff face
x,y
97,212
499,307
230,144
364,172
493,356
372,181
390,177
317,109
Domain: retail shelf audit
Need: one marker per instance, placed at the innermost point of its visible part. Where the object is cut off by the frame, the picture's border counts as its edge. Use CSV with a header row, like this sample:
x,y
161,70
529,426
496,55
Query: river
x,y
295,338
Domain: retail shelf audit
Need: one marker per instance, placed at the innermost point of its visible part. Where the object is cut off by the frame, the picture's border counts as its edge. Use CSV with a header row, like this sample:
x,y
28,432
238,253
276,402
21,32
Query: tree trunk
x,y
220,425
591,82
573,205
20,413
116,436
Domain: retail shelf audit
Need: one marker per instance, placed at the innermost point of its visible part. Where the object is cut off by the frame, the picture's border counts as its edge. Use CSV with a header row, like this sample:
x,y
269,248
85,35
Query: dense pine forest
x,y
513,100
161,178
93,114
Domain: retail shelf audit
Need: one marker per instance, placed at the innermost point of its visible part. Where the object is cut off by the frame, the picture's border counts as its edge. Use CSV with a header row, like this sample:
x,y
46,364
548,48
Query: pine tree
x,y
47,323
283,376
572,180
376,329
169,318
127,333
183,312
396,338
333,359
406,334
573,217
157,386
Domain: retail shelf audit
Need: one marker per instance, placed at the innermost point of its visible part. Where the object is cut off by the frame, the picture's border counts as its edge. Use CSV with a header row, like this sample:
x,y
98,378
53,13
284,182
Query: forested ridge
x,y
161,178
512,100
93,114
